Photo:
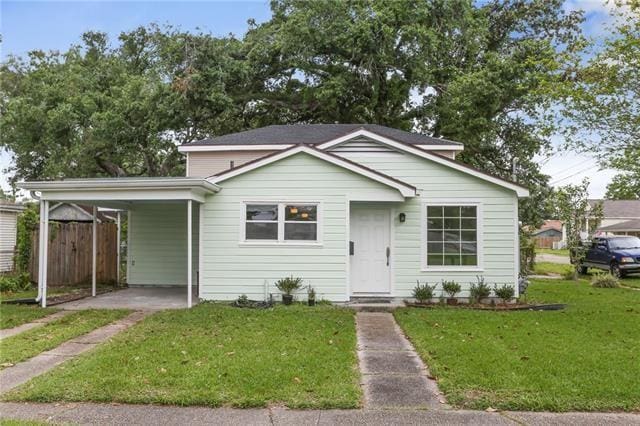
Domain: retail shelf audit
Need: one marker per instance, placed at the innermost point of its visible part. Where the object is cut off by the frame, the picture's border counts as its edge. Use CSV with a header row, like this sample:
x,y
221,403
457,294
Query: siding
x,y
203,164
158,252
7,239
435,181
232,269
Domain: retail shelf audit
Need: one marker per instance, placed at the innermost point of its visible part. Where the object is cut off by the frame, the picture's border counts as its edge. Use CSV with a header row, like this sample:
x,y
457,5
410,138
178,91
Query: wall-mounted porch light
x,y
402,217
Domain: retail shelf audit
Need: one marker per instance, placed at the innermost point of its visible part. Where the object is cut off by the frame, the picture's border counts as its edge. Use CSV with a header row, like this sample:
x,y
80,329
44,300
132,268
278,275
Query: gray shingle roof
x,y
629,225
315,134
619,208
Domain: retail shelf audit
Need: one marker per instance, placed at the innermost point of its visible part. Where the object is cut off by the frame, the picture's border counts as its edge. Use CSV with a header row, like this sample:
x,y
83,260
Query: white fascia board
x,y
210,148
405,189
520,191
120,184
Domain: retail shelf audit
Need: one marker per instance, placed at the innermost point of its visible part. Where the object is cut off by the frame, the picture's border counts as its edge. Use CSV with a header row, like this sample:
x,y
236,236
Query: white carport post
x,y
189,250
94,250
44,250
118,252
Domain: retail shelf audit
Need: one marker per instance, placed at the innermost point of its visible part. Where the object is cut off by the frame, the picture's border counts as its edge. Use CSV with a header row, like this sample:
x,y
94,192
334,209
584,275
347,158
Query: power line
x,y
588,160
575,174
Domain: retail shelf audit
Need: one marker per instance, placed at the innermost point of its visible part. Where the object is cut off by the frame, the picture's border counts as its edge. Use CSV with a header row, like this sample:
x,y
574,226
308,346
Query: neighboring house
x,y
70,212
354,210
8,230
549,234
616,214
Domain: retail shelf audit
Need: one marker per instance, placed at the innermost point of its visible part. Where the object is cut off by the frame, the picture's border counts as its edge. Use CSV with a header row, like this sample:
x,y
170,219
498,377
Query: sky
x,y
55,25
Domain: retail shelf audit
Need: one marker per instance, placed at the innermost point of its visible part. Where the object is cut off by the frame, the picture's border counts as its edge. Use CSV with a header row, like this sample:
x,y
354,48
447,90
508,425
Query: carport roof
x,y
123,189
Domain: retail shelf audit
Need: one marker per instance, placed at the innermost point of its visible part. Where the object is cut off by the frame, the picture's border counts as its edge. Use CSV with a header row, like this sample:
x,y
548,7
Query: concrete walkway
x,y
393,374
552,258
88,413
20,373
8,332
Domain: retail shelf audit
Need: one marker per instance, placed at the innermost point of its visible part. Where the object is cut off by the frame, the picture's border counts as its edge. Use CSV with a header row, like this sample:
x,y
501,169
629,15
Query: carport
x,y
158,205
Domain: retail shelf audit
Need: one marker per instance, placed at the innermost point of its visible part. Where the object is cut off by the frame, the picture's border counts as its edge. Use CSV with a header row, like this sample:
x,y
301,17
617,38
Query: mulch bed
x,y
509,307
61,298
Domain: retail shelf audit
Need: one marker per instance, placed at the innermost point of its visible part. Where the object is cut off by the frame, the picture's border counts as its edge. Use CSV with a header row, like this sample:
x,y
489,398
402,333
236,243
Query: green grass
x,y
19,422
15,315
561,252
548,268
631,281
32,342
216,355
585,358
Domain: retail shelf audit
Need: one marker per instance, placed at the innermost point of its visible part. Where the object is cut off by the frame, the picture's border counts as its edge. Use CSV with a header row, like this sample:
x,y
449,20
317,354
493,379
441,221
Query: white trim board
x,y
405,189
420,152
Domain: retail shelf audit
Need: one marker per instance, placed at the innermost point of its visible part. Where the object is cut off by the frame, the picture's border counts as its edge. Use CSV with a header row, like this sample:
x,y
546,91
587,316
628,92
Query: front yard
x,y
15,315
586,357
32,342
217,355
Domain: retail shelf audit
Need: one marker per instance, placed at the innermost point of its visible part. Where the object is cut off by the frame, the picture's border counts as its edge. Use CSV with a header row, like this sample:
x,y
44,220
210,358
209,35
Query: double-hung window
x,y
452,238
281,222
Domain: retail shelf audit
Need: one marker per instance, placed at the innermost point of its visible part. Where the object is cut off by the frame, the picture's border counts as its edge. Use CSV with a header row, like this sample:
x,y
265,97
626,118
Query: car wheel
x,y
616,271
582,270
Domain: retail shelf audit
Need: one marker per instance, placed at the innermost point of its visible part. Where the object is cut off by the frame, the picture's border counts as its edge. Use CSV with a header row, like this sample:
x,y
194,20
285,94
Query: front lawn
x,y
218,355
15,315
586,357
32,342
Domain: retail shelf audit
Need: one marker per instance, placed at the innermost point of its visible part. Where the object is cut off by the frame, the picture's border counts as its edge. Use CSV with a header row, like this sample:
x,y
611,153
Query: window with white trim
x,y
451,235
281,222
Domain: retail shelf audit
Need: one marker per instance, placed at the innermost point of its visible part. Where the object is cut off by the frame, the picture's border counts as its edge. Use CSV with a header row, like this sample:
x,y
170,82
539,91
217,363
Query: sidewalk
x,y
8,332
86,413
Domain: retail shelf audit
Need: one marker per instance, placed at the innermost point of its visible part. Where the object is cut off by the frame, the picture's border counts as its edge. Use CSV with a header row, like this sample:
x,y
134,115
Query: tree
x,y
571,204
603,103
459,70
101,111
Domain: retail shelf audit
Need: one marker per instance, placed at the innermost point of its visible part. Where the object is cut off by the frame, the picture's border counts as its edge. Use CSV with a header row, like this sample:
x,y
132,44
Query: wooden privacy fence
x,y
546,242
70,249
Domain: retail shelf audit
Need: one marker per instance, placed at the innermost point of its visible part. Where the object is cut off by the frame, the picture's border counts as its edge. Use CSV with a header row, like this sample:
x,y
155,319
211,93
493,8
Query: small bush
x,y
505,293
605,280
14,283
479,291
289,284
451,288
423,293
570,275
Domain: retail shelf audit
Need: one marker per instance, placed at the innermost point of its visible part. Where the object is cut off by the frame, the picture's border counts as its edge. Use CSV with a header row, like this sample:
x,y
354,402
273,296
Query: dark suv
x,y
618,254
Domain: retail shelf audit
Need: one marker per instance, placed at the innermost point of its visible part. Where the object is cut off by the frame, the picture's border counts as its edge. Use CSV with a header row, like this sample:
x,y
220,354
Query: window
x,y
451,236
281,222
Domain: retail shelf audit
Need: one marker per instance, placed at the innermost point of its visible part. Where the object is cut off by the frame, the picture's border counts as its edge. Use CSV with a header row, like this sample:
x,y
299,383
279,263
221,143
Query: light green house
x,y
354,210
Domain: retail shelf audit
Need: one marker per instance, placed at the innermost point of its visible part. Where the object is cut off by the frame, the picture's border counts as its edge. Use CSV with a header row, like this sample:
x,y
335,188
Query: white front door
x,y
370,245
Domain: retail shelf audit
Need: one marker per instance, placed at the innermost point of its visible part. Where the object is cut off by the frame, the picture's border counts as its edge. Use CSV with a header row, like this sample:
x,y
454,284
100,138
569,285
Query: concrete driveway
x,y
145,298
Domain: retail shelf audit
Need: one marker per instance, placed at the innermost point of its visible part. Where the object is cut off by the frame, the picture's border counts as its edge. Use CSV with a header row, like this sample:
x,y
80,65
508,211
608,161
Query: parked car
x,y
618,254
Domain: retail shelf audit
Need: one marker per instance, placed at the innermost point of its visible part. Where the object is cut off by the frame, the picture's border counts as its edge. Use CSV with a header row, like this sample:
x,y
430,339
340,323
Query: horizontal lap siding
x,y
159,244
232,269
436,181
207,163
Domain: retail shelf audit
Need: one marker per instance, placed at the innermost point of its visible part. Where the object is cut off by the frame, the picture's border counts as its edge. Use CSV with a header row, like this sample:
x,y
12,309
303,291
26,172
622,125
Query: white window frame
x,y
424,266
281,223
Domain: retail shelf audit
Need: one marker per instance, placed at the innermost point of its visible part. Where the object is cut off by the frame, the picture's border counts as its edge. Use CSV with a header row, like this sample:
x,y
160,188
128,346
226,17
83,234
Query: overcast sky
x,y
29,25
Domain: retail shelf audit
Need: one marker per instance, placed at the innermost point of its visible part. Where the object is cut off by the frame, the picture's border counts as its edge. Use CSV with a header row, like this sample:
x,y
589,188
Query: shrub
x,y
289,284
311,294
605,280
479,291
451,288
423,293
505,293
15,282
570,275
